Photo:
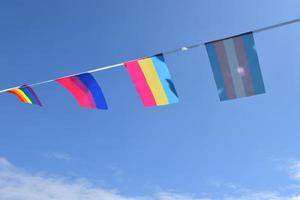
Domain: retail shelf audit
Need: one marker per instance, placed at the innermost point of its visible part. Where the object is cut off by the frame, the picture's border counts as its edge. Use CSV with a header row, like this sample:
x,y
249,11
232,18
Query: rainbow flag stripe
x,y
152,80
235,67
26,95
85,89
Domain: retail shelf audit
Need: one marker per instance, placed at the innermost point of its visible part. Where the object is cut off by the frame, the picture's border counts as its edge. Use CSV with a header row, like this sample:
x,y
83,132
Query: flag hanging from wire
x,y
85,89
235,66
152,80
26,95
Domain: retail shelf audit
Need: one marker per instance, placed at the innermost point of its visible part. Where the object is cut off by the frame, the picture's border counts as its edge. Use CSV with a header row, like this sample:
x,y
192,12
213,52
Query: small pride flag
x,y
235,67
152,80
85,89
26,95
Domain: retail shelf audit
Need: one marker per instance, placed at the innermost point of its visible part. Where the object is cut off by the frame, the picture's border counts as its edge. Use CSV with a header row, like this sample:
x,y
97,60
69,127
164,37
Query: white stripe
x,y
234,65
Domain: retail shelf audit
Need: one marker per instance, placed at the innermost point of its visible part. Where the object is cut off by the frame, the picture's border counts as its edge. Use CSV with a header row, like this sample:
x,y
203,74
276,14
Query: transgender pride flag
x,y
235,67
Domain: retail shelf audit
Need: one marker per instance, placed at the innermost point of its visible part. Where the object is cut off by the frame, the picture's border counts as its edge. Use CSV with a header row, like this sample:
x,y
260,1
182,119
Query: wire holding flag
x,y
234,63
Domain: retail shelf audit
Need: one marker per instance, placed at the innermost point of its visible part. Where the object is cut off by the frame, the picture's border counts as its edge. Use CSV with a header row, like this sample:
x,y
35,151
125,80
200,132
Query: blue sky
x,y
200,148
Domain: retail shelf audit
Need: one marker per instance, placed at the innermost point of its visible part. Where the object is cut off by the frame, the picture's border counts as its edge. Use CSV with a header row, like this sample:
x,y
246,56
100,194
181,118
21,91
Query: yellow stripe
x,y
153,81
23,95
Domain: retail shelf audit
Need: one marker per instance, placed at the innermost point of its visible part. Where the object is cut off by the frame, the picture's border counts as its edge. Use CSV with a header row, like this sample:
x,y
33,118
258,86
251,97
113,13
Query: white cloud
x,y
295,170
16,184
258,196
171,196
228,186
57,156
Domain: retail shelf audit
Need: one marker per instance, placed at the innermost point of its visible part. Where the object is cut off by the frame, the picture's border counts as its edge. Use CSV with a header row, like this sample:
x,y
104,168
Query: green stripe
x,y
28,95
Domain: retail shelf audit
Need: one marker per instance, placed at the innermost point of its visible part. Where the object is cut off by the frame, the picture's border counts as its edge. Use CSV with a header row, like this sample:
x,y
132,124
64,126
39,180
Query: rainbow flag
x,y
85,89
152,80
235,66
26,95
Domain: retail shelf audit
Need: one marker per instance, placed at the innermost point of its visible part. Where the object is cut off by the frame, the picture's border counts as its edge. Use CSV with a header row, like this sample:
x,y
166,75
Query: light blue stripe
x,y
216,68
234,65
252,58
165,78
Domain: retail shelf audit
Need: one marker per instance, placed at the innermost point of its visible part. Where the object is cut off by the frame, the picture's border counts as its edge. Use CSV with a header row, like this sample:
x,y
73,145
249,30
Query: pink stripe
x,y
81,96
85,90
140,83
243,64
221,54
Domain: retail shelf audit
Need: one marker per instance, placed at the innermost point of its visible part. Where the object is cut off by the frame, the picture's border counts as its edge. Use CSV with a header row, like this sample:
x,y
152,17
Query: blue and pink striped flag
x,y
235,66
85,89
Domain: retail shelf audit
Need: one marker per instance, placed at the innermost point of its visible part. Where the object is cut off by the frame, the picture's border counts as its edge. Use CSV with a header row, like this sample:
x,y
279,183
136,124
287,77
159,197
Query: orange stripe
x,y
24,95
19,95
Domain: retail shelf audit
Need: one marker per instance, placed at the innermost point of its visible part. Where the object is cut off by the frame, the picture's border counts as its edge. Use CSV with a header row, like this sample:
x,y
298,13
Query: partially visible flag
x,y
235,67
26,95
152,80
85,89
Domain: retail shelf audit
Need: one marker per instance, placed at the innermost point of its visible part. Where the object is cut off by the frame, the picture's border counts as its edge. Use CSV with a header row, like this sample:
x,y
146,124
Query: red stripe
x,y
243,63
21,98
81,96
221,54
140,83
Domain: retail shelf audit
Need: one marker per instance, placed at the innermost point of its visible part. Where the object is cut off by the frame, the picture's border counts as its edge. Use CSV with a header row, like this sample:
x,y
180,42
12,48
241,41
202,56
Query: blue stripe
x,y
252,58
216,68
165,78
28,93
95,89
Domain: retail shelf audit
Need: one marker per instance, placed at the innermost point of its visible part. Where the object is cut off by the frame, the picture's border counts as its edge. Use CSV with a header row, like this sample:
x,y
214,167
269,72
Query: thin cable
x,y
186,48
277,25
52,80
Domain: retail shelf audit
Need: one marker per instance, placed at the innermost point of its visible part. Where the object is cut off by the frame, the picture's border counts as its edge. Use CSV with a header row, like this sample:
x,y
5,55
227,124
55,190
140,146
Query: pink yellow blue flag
x,y
152,80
